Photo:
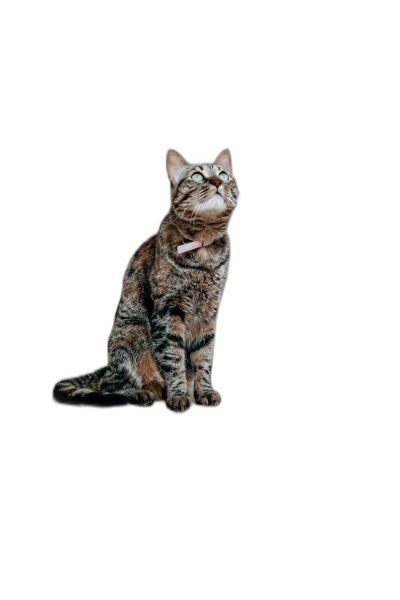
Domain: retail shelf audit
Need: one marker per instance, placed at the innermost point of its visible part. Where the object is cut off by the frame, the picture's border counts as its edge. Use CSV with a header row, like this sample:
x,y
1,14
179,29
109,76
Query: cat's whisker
x,y
191,220
189,206
196,211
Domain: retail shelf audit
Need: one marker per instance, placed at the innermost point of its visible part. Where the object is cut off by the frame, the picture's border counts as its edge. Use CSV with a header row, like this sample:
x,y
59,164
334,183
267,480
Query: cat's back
x,y
137,274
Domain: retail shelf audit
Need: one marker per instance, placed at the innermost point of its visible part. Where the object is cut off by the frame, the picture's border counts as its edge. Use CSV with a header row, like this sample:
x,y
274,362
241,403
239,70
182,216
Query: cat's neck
x,y
199,229
208,255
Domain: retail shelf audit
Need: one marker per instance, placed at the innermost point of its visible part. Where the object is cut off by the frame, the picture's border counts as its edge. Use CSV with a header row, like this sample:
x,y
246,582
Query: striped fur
x,y
161,344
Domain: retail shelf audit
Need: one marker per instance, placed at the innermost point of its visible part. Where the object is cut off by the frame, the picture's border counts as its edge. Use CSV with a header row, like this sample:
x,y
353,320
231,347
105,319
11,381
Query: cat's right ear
x,y
176,165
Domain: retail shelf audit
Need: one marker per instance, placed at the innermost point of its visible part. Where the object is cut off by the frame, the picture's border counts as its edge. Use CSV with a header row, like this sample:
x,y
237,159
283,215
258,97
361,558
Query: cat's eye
x,y
223,176
197,177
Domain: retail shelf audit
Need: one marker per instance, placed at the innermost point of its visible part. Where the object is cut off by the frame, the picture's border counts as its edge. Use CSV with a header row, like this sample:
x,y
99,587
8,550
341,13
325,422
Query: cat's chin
x,y
215,204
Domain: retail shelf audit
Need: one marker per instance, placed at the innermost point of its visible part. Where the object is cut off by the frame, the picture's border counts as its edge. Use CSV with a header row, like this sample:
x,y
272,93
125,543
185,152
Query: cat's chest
x,y
199,297
195,292
200,291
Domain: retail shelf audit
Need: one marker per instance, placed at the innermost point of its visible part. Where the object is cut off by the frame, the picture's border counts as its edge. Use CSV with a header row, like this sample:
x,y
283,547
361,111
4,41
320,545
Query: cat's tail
x,y
86,390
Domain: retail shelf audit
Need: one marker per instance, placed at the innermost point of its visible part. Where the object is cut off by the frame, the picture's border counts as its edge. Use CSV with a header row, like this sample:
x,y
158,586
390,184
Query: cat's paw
x,y
207,398
179,403
141,397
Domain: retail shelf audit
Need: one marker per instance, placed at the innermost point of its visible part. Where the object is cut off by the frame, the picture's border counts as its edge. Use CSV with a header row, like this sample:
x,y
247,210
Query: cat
x,y
161,344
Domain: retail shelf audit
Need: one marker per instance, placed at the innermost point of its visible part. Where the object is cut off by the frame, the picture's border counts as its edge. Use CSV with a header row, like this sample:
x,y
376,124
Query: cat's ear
x,y
224,160
176,165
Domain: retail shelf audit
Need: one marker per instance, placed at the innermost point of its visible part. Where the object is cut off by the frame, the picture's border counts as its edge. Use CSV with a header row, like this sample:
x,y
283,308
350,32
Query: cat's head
x,y
202,193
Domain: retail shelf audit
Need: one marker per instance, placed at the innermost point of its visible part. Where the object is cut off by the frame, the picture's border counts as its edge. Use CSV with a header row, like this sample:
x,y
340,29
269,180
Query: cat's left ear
x,y
224,159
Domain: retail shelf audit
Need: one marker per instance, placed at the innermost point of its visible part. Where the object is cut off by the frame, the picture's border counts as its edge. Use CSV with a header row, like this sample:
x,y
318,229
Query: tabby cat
x,y
161,344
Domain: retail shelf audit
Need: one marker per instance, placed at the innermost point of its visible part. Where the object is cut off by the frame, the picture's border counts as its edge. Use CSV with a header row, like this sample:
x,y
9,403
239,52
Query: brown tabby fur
x,y
161,344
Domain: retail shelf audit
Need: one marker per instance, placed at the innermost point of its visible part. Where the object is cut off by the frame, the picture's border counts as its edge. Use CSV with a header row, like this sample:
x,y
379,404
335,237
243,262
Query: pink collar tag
x,y
193,245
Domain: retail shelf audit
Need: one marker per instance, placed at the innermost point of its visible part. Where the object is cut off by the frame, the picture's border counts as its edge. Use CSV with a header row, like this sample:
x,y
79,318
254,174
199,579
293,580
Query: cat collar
x,y
193,245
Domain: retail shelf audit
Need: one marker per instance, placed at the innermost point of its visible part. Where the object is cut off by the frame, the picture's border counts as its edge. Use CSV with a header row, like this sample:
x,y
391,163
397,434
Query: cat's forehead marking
x,y
208,168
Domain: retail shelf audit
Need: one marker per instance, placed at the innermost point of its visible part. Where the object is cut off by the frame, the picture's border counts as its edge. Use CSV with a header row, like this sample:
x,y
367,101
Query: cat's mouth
x,y
214,202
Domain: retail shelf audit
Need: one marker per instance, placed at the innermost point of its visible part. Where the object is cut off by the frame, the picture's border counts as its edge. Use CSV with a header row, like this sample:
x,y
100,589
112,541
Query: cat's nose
x,y
215,181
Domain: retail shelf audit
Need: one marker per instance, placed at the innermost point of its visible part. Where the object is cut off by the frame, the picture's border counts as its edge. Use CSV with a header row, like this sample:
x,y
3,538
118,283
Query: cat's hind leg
x,y
133,373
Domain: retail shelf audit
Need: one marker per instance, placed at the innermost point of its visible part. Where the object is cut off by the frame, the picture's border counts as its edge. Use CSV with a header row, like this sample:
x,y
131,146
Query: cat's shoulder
x,y
143,258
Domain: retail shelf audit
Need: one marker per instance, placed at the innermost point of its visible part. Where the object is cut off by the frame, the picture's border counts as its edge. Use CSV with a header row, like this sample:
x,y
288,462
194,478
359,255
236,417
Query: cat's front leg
x,y
168,335
201,363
